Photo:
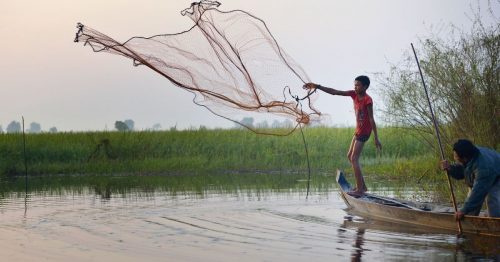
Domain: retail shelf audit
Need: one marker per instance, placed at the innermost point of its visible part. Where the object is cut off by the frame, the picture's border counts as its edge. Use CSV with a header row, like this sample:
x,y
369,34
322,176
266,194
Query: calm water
x,y
210,219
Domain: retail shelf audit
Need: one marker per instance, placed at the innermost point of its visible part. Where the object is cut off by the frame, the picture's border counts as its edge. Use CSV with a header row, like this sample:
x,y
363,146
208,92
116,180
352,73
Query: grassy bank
x,y
208,151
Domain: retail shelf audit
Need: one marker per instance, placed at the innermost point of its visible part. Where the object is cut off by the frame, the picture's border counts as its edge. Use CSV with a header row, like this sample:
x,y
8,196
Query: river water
x,y
95,222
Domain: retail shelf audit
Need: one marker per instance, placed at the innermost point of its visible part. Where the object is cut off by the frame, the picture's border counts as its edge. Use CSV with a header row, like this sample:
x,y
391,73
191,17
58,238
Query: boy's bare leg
x,y
351,149
354,154
349,155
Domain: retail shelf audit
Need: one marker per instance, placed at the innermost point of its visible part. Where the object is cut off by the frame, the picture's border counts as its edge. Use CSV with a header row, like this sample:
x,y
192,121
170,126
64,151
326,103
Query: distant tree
x,y
121,126
1,130
287,123
14,127
53,129
130,123
262,124
156,126
316,123
34,128
247,121
276,124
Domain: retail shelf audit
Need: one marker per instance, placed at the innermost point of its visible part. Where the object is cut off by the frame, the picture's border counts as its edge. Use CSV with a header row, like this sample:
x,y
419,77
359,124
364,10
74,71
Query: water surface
x,y
221,218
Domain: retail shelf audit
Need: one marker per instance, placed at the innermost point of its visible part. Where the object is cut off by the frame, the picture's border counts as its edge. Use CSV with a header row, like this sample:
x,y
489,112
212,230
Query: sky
x,y
49,79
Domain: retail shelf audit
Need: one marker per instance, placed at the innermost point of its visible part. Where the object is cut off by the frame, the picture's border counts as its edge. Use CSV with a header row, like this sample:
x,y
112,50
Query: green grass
x,y
210,151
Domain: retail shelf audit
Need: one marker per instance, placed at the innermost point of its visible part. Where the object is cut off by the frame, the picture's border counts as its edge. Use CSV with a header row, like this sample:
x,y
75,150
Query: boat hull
x,y
405,212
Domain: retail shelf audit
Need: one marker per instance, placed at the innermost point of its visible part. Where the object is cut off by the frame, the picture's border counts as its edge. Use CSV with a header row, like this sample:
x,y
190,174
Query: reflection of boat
x,y
481,245
388,226
420,214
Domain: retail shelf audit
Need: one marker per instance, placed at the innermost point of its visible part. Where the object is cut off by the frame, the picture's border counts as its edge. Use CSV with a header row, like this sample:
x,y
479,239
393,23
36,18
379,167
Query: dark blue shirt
x,y
480,174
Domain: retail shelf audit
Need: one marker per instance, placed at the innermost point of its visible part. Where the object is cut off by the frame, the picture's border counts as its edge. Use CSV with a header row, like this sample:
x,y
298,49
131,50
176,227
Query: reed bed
x,y
210,151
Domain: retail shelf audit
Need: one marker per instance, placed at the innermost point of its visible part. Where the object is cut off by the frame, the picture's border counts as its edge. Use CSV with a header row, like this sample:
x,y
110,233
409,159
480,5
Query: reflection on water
x,y
358,245
214,218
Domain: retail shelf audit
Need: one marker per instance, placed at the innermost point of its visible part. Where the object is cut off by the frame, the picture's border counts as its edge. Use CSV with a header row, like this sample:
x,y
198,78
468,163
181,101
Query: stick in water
x,y
25,160
308,163
438,137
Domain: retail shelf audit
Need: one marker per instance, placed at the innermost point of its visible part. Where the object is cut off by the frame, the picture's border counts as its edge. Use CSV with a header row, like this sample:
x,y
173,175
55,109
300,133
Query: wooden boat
x,y
410,213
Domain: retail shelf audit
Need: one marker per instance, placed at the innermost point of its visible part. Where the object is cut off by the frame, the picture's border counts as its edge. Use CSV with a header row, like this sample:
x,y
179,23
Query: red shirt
x,y
363,124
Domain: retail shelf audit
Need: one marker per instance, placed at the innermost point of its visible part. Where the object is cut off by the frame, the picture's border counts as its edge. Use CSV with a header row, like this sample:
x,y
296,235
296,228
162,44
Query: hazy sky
x,y
47,78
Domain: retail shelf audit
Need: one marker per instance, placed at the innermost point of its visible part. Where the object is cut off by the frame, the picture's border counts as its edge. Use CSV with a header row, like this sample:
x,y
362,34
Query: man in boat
x,y
480,167
365,124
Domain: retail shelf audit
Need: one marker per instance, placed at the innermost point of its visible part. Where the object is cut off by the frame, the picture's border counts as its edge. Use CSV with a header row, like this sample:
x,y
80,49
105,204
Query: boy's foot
x,y
356,189
356,193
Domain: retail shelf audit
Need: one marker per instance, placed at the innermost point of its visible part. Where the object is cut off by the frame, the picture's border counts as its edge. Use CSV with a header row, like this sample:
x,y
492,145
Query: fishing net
x,y
230,62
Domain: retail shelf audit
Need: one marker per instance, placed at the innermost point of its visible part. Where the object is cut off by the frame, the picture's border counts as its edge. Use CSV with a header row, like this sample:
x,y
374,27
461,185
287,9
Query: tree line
x,y
34,127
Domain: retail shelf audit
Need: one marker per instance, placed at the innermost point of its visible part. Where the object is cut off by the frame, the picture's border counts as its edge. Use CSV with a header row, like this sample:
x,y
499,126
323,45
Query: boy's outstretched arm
x,y
325,89
378,145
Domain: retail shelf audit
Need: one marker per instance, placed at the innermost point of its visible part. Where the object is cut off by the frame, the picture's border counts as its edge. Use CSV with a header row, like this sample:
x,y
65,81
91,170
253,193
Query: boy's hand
x,y
445,165
310,86
378,145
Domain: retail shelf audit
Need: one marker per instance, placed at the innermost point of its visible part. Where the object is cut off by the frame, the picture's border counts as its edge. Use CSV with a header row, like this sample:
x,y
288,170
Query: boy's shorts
x,y
362,138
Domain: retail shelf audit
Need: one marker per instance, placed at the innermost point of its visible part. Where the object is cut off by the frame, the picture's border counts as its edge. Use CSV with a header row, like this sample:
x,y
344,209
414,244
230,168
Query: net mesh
x,y
229,60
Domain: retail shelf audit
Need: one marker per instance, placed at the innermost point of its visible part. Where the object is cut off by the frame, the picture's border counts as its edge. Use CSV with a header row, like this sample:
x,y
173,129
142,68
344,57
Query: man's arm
x,y
374,126
482,184
328,90
454,170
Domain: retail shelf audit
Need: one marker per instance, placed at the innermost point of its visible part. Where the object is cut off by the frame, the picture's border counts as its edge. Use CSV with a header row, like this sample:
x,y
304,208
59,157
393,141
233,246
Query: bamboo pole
x,y
459,224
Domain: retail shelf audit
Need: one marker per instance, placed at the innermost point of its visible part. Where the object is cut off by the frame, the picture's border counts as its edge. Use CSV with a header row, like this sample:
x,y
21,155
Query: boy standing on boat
x,y
480,167
365,124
